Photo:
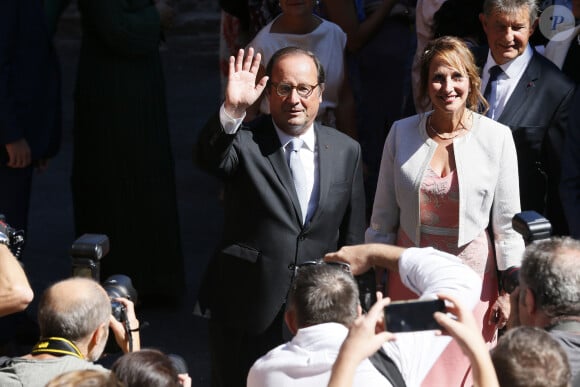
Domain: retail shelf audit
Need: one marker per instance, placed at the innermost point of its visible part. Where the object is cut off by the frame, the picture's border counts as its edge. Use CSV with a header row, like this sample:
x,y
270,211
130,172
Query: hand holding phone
x,y
412,315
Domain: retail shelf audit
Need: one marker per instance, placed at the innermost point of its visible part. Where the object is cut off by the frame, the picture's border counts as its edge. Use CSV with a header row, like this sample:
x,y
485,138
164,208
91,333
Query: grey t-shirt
x,y
19,372
570,341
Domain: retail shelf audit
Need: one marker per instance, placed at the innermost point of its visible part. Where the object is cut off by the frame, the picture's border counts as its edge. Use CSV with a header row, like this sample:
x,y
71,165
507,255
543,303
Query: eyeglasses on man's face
x,y
285,89
339,265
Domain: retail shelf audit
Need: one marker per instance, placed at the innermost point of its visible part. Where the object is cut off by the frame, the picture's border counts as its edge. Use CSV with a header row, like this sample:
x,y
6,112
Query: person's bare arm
x,y
343,13
467,334
15,290
362,257
346,111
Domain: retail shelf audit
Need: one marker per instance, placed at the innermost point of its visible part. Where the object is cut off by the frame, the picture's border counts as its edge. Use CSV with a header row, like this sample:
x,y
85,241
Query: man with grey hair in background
x,y
548,295
529,356
531,95
74,317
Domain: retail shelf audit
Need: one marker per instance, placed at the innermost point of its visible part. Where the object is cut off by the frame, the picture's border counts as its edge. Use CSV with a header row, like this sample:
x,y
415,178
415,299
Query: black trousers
x,y
234,351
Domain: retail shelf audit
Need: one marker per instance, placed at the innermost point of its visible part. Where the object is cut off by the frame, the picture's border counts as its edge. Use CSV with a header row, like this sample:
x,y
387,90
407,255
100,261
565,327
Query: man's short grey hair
x,y
290,51
77,317
530,357
510,6
324,293
551,271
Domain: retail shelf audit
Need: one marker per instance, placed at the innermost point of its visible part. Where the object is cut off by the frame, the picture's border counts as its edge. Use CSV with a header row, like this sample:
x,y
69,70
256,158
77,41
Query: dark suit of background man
x,y
265,230
29,103
533,99
570,187
564,48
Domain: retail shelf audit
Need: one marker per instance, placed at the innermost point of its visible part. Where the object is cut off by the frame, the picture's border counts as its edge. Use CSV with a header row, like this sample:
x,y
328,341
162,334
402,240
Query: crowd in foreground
x,y
499,134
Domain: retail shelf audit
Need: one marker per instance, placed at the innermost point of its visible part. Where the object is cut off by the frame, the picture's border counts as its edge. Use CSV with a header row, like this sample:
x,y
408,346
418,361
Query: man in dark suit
x,y
564,47
531,96
29,103
279,212
570,187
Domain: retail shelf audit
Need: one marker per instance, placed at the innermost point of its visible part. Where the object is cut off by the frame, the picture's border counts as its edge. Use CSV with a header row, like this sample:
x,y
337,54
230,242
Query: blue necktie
x,y
494,73
298,174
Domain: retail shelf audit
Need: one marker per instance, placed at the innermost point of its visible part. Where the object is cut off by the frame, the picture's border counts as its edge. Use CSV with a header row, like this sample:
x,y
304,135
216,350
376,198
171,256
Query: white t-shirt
x,y
327,42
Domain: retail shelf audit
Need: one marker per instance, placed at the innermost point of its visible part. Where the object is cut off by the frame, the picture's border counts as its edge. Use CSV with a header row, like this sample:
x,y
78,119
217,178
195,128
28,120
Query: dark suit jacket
x,y
537,113
29,79
263,233
570,187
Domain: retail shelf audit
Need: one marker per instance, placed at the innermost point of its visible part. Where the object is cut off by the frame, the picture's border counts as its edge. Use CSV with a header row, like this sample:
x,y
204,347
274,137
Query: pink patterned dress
x,y
439,209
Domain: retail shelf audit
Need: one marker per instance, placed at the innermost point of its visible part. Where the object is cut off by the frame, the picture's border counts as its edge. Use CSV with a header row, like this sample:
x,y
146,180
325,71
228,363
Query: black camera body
x,y
367,287
15,237
86,253
532,226
119,286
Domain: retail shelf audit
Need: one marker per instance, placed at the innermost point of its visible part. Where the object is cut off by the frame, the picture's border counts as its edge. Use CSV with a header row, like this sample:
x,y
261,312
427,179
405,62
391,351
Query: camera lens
x,y
118,311
120,286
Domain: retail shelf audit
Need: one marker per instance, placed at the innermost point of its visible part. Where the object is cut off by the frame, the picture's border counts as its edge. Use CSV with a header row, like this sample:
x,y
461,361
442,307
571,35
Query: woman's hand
x,y
500,311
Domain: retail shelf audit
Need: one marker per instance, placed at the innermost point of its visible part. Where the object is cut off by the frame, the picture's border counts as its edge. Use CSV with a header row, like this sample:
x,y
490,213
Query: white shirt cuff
x,y
230,124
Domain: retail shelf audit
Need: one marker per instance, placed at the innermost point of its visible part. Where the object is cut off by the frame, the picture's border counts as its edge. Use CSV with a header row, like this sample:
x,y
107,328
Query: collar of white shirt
x,y
512,69
308,137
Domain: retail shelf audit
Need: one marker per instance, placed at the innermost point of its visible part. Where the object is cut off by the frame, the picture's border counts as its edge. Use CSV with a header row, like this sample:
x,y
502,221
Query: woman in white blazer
x,y
447,176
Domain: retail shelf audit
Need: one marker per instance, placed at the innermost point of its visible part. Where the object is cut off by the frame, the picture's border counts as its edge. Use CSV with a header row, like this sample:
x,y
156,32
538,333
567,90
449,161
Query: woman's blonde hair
x,y
455,53
86,378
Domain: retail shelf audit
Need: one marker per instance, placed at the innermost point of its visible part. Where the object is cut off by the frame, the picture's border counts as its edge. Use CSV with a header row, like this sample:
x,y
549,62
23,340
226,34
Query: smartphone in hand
x,y
412,315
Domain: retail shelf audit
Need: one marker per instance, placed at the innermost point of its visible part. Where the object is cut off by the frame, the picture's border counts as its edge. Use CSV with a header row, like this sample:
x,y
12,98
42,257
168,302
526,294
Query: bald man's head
x,y
73,309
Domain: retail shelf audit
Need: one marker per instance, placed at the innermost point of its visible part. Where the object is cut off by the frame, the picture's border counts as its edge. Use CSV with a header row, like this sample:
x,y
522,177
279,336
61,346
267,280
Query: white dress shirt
x,y
507,82
307,360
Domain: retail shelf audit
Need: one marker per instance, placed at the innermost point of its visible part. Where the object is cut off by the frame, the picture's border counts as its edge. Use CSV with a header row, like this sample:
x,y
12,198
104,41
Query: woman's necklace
x,y
450,136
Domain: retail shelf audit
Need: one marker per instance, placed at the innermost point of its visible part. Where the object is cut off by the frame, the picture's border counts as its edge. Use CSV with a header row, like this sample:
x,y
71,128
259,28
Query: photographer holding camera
x,y
548,293
74,316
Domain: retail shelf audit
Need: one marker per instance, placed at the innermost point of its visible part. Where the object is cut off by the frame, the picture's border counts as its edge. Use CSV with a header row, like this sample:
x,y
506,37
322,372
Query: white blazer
x,y
487,169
